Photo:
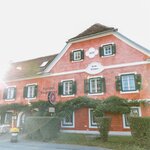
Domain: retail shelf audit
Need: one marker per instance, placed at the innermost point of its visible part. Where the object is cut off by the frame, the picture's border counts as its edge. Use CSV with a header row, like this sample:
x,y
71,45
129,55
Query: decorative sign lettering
x,y
51,97
94,68
92,52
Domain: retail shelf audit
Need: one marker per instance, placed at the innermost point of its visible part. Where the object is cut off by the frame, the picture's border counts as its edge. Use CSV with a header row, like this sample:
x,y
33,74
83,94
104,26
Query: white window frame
x,y
65,124
8,97
77,55
28,85
124,117
91,123
106,50
90,78
6,114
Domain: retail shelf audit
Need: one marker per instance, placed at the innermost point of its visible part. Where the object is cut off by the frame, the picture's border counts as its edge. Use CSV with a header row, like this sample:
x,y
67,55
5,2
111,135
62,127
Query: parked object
x,y
14,134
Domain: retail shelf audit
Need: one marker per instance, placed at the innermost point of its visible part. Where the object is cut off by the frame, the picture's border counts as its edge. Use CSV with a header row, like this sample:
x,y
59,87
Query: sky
x,y
36,28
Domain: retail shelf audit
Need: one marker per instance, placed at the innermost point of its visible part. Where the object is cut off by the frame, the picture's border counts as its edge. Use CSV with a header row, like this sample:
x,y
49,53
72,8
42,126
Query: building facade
x,y
98,63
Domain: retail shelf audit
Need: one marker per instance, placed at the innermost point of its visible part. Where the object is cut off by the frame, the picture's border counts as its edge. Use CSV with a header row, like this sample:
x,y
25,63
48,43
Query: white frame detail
x,y
68,125
91,124
12,95
124,115
28,85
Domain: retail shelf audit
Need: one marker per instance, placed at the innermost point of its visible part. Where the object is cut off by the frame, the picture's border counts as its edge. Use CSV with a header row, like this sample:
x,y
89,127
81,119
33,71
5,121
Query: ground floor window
x,y
135,111
8,118
92,121
68,120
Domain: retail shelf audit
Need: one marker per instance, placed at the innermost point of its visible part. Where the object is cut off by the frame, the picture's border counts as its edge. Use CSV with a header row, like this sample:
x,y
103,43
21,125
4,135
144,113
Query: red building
x,y
98,63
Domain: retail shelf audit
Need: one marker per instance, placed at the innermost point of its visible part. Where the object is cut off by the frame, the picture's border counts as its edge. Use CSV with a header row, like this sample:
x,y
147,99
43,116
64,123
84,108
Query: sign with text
x,y
51,97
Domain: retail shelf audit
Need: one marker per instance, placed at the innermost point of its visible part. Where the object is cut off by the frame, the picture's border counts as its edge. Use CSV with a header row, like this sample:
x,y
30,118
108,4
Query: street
x,y
22,144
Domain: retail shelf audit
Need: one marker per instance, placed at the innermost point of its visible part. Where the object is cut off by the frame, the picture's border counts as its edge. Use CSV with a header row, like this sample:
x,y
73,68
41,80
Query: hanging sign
x,y
51,97
94,68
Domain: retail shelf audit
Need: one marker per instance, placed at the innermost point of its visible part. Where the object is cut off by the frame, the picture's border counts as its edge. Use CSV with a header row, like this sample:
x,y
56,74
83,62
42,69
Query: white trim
x,y
111,133
31,84
67,95
82,70
123,117
107,44
89,77
9,100
73,123
57,58
108,56
28,98
131,43
68,80
126,73
9,86
129,92
89,114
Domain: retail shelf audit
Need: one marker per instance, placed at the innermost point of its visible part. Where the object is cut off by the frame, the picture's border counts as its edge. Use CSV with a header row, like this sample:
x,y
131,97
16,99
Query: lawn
x,y
114,142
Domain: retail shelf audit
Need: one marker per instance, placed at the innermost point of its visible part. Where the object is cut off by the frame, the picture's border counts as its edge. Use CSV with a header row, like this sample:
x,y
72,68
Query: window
x,y
9,93
92,122
30,91
135,111
68,120
67,87
94,85
128,82
77,55
107,50
8,118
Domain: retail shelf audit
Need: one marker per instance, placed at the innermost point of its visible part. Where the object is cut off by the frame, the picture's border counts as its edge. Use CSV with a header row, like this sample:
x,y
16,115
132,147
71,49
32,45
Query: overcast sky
x,y
35,28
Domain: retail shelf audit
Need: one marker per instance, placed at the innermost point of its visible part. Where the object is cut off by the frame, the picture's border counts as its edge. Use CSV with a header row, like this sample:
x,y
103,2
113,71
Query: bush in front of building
x,y
103,124
42,128
140,130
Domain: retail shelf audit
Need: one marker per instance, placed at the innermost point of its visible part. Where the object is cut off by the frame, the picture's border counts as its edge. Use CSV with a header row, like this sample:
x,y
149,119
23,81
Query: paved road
x,y
5,144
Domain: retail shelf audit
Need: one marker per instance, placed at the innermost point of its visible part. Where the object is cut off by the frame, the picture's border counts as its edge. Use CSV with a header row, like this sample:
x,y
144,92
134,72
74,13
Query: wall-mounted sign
x,y
92,52
94,68
51,97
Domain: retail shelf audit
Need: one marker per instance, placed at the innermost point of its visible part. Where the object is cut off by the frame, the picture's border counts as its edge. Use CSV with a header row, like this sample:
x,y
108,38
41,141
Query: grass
x,y
114,142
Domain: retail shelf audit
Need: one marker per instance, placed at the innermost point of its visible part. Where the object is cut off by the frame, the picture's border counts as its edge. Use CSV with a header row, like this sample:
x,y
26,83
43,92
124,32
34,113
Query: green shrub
x,y
44,128
140,130
103,124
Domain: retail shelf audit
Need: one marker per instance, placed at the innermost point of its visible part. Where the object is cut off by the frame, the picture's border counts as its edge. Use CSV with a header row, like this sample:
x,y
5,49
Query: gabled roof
x,y
28,68
94,29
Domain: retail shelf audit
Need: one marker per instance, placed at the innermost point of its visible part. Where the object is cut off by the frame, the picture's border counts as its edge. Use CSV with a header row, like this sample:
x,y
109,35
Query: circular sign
x,y
52,97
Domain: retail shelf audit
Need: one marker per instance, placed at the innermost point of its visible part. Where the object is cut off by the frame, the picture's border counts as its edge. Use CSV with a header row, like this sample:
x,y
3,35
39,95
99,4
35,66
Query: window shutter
x,y
25,91
82,54
101,51
86,86
71,56
35,90
14,93
113,49
60,88
74,87
138,81
5,93
103,85
118,83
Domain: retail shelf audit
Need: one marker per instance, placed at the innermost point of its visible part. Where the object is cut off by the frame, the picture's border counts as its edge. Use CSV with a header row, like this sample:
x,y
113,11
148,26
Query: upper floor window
x,y
30,91
128,82
94,85
9,93
67,87
135,112
77,55
107,50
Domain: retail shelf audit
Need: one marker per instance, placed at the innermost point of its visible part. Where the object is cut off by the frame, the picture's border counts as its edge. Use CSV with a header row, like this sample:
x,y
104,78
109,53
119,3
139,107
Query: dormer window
x,y
44,64
77,55
107,50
